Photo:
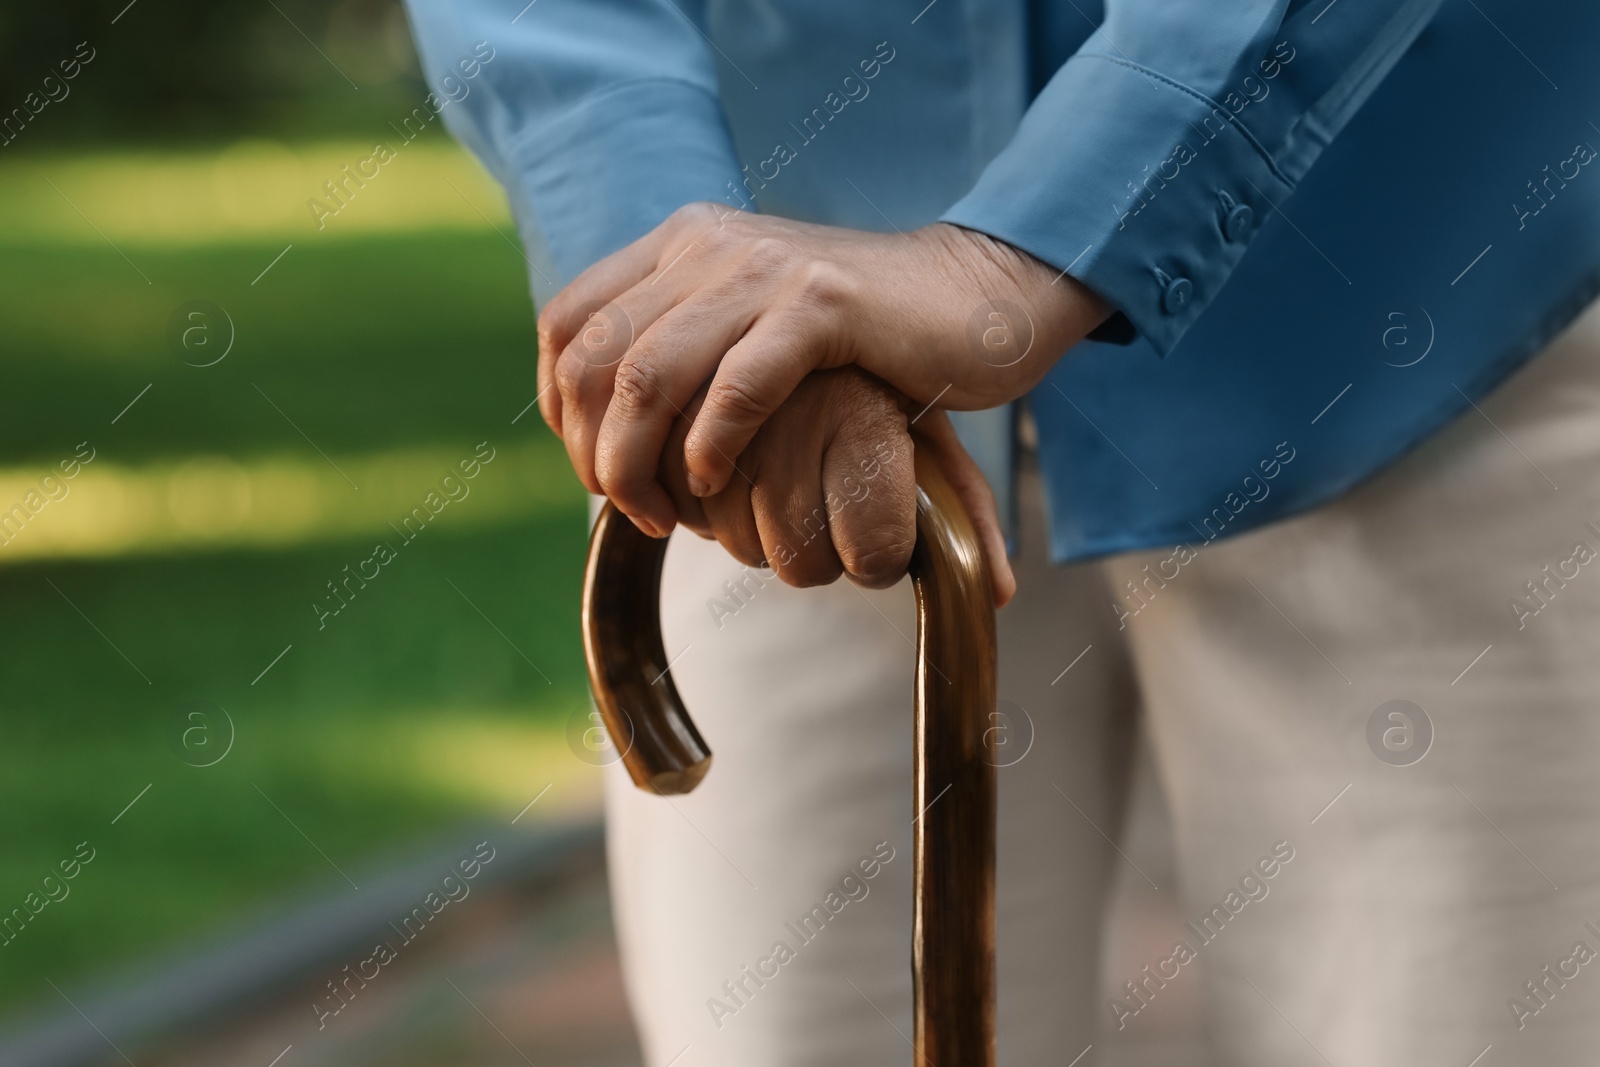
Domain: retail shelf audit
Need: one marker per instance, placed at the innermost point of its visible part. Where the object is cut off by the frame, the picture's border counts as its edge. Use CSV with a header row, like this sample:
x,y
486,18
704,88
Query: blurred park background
x,y
171,699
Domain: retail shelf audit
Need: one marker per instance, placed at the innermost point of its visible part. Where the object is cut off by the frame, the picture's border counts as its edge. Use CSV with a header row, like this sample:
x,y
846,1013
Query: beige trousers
x,y
1359,883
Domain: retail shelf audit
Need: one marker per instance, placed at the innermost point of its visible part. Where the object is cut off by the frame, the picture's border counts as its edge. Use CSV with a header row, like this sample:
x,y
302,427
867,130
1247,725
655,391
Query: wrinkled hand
x,y
751,304
827,487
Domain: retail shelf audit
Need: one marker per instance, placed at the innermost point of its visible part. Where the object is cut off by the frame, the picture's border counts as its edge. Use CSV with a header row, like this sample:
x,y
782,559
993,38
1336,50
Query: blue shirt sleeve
x,y
1147,161
600,117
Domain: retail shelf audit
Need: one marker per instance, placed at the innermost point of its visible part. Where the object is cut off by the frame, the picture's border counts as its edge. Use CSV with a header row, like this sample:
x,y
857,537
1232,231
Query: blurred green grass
x,y
408,713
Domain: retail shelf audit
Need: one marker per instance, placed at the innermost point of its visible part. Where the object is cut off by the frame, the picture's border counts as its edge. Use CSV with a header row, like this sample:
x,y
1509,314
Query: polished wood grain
x,y
953,845
952,940
628,675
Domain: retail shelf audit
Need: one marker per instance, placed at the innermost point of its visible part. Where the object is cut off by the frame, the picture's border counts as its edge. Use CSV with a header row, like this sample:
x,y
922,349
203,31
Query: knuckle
x,y
572,379
768,253
872,418
742,545
721,231
695,214
637,386
545,322
878,559
605,477
823,286
811,568
555,310
812,560
626,476
568,376
604,336
735,398
699,222
614,480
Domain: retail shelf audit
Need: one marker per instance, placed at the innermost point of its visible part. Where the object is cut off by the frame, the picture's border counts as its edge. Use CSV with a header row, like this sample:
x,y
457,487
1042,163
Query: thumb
x,y
934,433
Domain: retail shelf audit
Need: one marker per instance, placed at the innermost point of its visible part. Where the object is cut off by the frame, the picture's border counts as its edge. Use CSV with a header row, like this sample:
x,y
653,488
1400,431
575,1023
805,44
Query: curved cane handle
x,y
634,691
954,787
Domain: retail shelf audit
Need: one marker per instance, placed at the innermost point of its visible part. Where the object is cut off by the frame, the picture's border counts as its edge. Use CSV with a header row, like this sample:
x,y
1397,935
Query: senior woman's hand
x,y
827,486
752,304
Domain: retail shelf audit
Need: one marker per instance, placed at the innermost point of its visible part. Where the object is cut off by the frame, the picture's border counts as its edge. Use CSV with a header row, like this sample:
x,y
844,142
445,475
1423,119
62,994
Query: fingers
x,y
869,484
586,370
857,516
831,487
732,519
781,529
791,516
759,373
783,470
662,371
754,379
933,431
572,310
691,511
775,510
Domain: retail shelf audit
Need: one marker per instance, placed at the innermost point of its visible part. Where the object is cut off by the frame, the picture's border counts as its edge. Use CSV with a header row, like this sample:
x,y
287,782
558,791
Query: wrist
x,y
1016,313
1060,304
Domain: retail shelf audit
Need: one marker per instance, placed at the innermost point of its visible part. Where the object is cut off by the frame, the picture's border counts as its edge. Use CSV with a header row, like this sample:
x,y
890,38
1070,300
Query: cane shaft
x,y
953,843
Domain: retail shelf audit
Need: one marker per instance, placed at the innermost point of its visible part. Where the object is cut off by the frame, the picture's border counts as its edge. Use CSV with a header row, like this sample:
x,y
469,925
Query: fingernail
x,y
699,486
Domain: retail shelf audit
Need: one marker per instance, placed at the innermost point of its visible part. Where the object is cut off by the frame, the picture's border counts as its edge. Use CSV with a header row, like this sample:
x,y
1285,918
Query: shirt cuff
x,y
608,171
1141,188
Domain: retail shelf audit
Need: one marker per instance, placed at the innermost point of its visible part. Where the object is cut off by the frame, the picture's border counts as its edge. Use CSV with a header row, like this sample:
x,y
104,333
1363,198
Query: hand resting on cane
x,y
826,487
753,303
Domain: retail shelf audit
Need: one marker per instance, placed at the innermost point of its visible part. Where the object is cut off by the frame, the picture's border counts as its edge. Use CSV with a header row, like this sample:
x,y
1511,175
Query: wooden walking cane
x,y
952,947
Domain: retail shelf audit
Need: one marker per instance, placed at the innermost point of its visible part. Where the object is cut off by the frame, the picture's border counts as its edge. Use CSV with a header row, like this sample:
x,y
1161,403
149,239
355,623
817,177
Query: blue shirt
x,y
1326,227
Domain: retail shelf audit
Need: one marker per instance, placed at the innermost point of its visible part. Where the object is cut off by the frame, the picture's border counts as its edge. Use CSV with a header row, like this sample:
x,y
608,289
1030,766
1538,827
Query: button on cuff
x,y
1176,295
1236,224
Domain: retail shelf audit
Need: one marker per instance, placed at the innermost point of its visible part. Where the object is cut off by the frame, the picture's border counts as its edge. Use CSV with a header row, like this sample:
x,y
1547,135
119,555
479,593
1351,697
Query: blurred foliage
x,y
439,694
177,168
394,341
169,70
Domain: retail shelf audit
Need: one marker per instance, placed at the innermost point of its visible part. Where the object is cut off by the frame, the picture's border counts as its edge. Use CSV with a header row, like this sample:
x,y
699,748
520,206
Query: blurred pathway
x,y
528,977
521,978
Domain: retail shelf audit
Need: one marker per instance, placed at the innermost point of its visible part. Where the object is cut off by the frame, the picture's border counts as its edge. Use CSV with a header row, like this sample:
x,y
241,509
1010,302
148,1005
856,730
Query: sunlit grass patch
x,y
251,190
215,502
